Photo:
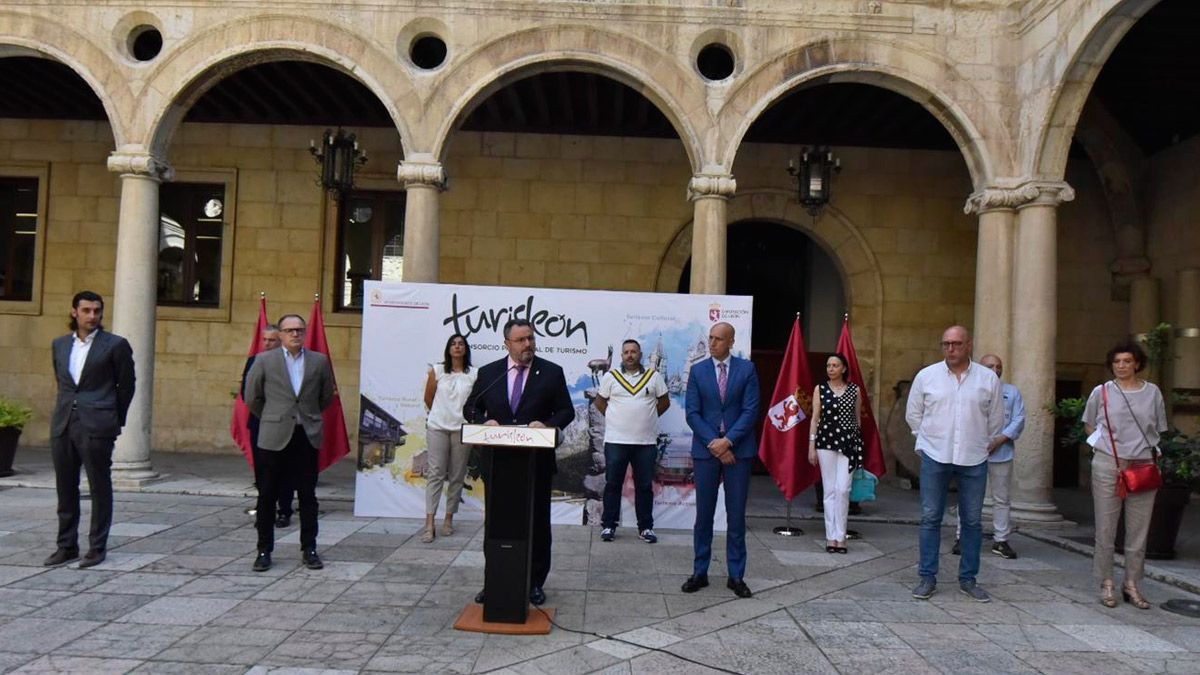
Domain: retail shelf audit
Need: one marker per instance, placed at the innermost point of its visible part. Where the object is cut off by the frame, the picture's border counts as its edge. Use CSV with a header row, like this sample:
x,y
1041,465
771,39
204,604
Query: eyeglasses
x,y
952,345
292,331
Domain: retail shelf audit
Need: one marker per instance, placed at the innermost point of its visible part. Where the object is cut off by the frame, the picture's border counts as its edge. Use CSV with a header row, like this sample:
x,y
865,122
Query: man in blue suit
x,y
722,411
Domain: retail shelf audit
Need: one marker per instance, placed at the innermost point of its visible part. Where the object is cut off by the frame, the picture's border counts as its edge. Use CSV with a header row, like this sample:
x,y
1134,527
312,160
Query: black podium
x,y
508,516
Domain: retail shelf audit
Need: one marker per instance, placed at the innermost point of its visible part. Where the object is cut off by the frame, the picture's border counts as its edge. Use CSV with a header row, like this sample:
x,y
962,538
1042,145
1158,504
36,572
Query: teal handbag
x,y
862,486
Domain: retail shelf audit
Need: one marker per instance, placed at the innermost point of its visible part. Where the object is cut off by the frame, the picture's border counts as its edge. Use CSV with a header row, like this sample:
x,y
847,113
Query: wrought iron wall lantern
x,y
339,157
814,176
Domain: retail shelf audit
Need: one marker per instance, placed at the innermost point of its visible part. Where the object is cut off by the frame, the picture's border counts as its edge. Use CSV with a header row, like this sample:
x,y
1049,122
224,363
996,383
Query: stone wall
x,y
564,211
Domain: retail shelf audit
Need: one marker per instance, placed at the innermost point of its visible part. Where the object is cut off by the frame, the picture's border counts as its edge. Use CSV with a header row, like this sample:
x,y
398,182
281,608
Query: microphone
x,y
469,409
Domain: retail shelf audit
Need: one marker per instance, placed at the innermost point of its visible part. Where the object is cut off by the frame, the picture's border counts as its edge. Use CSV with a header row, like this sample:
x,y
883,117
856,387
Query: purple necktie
x,y
722,380
514,398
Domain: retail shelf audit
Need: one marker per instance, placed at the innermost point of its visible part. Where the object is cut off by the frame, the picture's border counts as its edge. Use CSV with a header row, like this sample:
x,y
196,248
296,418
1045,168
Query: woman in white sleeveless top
x,y
446,391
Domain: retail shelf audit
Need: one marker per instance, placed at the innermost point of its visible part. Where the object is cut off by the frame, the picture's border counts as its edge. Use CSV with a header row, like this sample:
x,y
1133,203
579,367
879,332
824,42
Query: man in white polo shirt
x,y
631,398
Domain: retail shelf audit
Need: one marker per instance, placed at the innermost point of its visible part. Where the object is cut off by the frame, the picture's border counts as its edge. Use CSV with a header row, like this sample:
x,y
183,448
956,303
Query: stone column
x,y
1033,361
423,180
996,208
135,303
1185,366
710,195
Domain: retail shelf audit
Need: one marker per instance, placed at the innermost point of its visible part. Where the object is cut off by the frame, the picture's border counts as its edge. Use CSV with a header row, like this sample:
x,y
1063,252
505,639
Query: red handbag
x,y
1137,476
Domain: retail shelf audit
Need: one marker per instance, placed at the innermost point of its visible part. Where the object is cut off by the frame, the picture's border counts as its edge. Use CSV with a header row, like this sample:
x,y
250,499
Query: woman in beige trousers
x,y
1123,431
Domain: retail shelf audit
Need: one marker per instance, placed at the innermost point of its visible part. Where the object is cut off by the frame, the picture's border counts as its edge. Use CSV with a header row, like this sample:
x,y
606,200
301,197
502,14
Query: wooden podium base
x,y
536,623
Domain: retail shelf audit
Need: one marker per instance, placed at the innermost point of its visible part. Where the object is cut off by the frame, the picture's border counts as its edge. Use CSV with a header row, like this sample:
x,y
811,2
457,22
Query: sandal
x,y
447,529
1134,597
1108,594
427,537
841,549
831,549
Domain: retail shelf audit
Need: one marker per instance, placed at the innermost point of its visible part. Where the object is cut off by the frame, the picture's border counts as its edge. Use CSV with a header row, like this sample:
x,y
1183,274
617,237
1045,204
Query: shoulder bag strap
x,y
1153,449
1112,441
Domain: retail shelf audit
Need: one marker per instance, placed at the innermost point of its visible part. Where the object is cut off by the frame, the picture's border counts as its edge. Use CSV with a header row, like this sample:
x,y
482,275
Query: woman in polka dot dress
x,y
836,444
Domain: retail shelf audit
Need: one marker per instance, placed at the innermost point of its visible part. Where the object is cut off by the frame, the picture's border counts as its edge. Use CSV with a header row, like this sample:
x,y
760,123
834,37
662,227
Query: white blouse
x,y
449,399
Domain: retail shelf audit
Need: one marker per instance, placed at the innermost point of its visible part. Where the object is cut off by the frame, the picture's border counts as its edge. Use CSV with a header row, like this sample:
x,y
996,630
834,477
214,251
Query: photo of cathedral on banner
x,y
405,328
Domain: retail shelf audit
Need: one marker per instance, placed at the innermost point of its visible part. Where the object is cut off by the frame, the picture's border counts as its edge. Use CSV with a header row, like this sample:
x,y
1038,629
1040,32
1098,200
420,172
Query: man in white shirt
x,y
631,399
956,410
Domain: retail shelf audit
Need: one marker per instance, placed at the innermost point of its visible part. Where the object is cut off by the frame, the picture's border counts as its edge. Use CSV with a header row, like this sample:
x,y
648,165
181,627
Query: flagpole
x,y
786,530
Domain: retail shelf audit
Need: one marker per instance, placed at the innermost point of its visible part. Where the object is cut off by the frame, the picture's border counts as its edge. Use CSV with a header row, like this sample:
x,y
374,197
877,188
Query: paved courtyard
x,y
176,595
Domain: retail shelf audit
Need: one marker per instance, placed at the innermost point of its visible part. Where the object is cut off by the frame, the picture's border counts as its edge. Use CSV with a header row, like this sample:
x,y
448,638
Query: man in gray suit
x,y
287,390
94,373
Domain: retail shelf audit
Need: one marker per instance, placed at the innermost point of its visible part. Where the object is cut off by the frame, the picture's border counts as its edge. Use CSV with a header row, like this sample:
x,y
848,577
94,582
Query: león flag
x,y
784,445
239,426
872,444
336,444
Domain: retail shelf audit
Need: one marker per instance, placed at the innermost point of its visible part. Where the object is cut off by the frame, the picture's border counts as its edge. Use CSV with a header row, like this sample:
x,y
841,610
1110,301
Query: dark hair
x,y
514,323
1127,347
448,363
639,345
271,328
285,317
845,364
90,296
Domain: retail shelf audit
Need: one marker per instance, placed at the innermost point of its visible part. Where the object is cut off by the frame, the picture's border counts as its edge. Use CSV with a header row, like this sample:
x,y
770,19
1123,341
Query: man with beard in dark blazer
x,y
94,373
536,395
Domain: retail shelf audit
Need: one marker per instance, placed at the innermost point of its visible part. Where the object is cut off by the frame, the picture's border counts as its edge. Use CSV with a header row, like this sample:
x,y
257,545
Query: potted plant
x,y
13,418
1180,466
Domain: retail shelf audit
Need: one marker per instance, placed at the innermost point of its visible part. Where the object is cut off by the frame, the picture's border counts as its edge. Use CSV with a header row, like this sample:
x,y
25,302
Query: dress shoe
x,y
61,557
262,563
311,560
480,598
92,558
694,583
537,597
283,520
738,587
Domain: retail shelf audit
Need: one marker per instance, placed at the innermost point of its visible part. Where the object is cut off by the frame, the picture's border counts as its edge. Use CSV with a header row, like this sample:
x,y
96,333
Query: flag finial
x,y
262,295
316,296
846,316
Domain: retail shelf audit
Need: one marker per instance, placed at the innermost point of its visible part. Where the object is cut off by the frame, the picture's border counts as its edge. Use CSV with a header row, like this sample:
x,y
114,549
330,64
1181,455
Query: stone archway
x,y
841,239
1047,159
25,35
196,65
980,136
639,65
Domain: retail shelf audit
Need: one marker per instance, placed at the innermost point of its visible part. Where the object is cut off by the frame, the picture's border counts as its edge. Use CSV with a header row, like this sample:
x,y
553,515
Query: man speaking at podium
x,y
524,389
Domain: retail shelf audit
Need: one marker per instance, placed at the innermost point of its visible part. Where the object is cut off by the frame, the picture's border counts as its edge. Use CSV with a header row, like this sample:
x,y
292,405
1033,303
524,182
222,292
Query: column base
x,y
133,475
1039,512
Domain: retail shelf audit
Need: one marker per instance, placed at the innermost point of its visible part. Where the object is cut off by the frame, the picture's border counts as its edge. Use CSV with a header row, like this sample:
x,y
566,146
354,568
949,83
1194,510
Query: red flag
x,y
784,445
872,444
239,426
336,444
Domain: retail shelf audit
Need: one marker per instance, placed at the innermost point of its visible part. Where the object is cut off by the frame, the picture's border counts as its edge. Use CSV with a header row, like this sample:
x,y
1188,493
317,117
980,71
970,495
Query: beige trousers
x,y
1138,507
446,463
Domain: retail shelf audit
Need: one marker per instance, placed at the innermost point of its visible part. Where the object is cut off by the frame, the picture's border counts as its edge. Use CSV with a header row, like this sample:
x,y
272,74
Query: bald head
x,y
720,340
956,347
993,363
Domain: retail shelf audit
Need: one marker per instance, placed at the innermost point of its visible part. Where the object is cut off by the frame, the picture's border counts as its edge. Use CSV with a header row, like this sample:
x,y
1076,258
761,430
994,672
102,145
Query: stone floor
x,y
176,595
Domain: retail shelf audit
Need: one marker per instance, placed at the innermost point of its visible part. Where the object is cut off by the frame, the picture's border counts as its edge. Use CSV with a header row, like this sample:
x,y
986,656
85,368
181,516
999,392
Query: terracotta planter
x,y
8,449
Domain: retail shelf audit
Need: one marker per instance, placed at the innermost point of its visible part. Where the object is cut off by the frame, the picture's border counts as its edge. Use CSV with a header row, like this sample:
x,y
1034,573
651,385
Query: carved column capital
x,y
421,174
1028,193
998,198
711,185
140,164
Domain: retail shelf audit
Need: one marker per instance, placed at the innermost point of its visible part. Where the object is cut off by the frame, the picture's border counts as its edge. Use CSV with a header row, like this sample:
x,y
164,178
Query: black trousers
x,y
76,448
296,464
286,491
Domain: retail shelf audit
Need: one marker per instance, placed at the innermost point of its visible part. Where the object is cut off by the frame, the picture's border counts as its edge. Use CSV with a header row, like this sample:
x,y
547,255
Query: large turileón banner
x,y
404,332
